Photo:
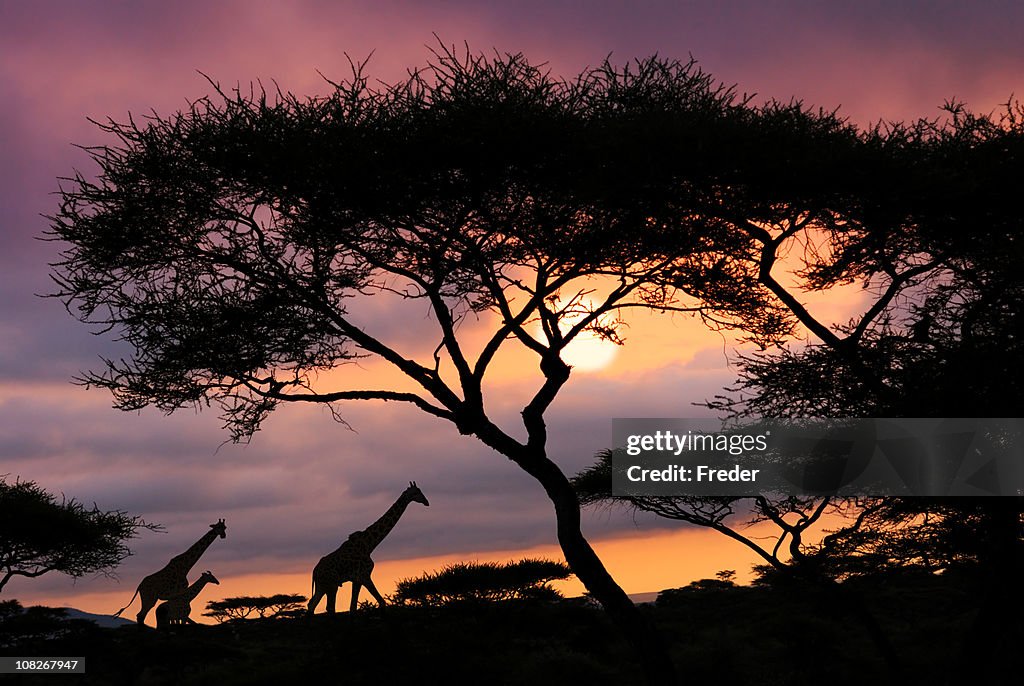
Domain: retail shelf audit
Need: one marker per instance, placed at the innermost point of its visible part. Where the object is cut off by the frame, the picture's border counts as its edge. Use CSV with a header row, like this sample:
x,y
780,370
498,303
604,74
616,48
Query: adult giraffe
x,y
173,578
351,561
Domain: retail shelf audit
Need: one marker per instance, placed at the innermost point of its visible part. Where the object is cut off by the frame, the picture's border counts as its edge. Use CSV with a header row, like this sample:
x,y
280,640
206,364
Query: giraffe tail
x,y
118,613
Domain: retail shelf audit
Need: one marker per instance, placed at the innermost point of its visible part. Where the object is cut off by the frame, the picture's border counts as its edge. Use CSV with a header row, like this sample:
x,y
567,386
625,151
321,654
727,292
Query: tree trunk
x,y
584,562
641,635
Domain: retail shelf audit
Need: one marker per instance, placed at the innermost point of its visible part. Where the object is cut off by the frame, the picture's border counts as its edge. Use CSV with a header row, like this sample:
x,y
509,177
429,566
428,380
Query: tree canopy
x,y
224,243
38,534
265,214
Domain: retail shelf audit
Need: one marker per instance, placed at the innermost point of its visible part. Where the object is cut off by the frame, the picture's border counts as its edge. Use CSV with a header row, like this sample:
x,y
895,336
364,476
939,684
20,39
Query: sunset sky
x,y
304,483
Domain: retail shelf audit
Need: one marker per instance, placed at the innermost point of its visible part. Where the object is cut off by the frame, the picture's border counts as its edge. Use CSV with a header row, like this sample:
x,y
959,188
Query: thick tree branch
x,y
336,396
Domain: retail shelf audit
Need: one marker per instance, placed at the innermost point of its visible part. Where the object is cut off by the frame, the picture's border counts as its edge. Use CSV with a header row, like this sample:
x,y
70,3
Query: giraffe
x,y
173,578
179,607
351,561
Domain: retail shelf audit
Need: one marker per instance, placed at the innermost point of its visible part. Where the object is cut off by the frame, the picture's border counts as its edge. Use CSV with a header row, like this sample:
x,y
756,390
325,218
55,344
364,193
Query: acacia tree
x,y
38,534
224,244
488,581
957,354
279,605
952,348
928,226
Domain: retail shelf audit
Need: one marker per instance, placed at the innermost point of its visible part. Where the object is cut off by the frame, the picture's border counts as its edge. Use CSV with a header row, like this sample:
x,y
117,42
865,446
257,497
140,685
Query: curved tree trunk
x,y
584,562
641,635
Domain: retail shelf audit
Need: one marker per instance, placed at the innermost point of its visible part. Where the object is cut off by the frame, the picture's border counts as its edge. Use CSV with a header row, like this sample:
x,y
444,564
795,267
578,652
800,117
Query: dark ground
x,y
726,635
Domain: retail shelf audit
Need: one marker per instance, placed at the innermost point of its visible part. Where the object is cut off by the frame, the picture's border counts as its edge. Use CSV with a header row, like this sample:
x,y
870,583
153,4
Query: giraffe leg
x,y
332,597
373,591
313,602
148,601
356,587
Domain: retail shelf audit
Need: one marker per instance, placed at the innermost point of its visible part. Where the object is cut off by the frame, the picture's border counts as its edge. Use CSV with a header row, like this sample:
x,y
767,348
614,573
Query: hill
x,y
105,621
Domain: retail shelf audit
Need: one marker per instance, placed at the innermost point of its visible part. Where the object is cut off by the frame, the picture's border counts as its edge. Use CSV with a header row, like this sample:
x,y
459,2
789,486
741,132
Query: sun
x,y
588,352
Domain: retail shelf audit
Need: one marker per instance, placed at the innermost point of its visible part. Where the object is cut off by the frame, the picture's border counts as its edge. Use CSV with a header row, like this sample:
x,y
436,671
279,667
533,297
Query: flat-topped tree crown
x,y
223,243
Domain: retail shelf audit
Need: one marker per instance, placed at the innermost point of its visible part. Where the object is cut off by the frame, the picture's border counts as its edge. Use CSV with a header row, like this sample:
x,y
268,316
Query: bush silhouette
x,y
279,605
26,626
41,534
487,581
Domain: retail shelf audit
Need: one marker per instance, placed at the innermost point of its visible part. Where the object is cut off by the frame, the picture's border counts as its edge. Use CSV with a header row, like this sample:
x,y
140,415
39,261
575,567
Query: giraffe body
x,y
352,562
179,607
172,580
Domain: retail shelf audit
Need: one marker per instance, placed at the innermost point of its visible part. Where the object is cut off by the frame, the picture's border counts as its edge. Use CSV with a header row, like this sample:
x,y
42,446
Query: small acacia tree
x,y
38,534
279,605
488,581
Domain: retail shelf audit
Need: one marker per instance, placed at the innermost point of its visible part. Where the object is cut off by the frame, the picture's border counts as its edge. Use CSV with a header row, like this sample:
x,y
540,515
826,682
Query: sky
x,y
304,482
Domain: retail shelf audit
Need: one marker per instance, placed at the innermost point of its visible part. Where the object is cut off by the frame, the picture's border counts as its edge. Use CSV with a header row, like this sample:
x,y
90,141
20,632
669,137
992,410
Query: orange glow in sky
x,y
642,564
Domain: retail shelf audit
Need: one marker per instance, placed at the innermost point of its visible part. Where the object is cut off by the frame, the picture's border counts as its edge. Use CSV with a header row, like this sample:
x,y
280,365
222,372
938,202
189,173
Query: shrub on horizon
x,y
241,607
527,579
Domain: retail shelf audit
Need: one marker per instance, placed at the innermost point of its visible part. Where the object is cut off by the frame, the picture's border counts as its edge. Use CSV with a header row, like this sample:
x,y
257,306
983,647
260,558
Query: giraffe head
x,y
415,495
209,578
220,528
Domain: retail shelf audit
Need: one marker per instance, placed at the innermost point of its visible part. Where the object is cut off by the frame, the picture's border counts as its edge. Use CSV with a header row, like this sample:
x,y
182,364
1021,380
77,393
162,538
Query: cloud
x,y
305,482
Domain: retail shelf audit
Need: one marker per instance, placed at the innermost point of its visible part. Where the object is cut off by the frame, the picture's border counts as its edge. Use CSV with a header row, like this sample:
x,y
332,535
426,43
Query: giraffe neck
x,y
192,555
196,588
376,532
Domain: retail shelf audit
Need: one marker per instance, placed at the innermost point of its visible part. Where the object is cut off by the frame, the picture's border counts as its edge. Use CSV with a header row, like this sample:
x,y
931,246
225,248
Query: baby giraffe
x,y
179,607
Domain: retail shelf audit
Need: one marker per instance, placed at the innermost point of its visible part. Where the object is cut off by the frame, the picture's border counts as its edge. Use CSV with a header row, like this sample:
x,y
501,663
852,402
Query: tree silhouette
x,y
225,244
951,349
38,534
279,605
936,245
27,626
488,581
